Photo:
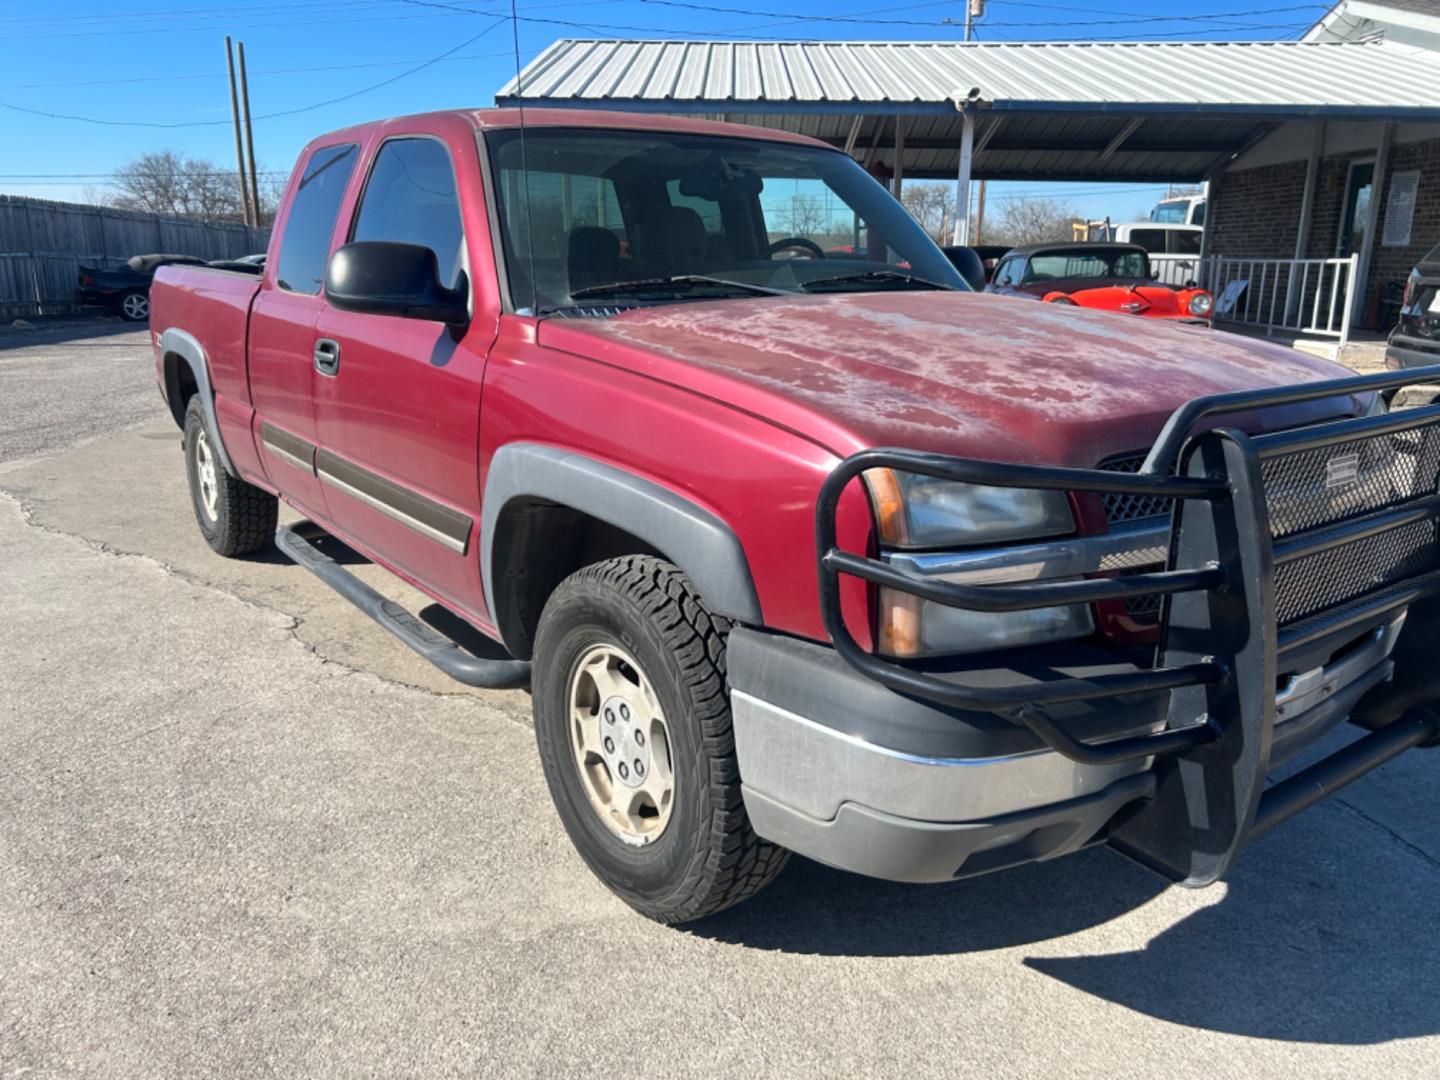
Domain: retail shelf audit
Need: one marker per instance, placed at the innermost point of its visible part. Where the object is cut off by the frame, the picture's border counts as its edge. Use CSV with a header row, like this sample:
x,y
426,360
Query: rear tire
x,y
235,518
632,632
134,306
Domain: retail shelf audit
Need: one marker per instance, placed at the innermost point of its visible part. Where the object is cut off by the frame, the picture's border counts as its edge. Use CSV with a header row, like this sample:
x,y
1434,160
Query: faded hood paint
x,y
984,376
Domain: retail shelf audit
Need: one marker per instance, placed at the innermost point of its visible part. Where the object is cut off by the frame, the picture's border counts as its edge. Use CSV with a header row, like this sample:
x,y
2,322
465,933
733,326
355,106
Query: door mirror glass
x,y
380,277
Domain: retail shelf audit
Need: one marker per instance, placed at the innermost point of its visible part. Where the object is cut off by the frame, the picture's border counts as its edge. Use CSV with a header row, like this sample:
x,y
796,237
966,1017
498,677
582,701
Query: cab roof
x,y
511,118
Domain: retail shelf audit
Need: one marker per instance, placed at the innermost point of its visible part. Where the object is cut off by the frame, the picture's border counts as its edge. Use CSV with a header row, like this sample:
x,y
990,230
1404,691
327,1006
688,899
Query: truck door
x,y
398,418
282,328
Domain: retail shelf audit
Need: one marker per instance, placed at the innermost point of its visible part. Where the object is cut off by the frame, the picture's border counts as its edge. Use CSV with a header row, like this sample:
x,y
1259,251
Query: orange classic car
x,y
1108,276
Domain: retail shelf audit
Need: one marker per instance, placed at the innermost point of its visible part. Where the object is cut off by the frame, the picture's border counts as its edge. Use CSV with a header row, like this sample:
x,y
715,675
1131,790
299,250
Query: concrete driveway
x,y
244,833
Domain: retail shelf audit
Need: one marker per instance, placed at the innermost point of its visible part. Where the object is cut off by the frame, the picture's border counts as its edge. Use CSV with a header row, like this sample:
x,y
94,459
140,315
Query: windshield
x,y
1170,213
1060,265
602,208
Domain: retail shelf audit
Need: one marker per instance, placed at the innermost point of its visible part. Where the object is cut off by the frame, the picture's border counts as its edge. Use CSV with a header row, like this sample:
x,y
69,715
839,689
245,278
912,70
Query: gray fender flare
x,y
693,538
191,352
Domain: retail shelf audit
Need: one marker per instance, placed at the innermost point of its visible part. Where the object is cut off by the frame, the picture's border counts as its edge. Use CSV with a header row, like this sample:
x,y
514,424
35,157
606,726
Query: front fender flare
x,y
693,538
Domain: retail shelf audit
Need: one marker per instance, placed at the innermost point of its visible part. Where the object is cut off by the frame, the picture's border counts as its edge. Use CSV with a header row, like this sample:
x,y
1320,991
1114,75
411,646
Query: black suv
x,y
1415,341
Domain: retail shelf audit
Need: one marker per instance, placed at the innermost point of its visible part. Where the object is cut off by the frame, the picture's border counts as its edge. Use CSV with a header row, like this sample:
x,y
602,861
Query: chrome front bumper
x,y
845,798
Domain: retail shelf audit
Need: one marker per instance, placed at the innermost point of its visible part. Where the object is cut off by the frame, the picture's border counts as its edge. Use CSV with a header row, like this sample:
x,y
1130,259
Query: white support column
x,y
962,179
1307,211
899,173
853,136
1360,283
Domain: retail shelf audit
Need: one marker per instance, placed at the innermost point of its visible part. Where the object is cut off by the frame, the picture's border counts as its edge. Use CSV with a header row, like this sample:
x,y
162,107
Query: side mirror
x,y
381,278
967,260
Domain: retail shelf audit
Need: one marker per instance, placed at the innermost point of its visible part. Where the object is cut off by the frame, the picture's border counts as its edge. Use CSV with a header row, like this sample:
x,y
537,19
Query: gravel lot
x,y
243,832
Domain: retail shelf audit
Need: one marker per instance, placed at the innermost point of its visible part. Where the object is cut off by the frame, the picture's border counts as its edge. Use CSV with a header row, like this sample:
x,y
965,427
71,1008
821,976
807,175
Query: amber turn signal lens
x,y
889,509
899,623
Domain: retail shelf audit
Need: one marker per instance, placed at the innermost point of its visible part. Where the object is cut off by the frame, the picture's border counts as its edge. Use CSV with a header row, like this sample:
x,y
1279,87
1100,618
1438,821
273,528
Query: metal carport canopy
x,y
1151,111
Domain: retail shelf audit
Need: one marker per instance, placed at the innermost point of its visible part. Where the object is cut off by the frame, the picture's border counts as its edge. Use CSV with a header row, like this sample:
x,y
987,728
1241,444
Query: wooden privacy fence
x,y
43,244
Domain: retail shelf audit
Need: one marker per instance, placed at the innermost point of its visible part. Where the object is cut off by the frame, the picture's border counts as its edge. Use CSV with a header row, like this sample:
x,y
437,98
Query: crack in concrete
x,y
28,515
1412,848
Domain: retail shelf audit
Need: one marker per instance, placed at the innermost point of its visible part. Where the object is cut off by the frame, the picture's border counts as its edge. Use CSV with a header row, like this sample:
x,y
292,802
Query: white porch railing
x,y
1178,270
1288,296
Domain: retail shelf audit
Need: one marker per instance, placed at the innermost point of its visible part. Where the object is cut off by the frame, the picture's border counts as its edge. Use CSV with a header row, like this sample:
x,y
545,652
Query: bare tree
x,y
807,216
166,182
932,205
1033,221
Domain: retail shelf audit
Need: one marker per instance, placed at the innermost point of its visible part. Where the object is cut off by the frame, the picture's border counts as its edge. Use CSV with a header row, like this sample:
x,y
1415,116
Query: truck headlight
x,y
1200,304
917,511
911,627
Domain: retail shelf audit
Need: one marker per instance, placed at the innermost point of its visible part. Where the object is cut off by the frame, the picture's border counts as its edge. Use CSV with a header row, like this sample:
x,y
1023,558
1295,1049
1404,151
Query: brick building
x,y
1332,188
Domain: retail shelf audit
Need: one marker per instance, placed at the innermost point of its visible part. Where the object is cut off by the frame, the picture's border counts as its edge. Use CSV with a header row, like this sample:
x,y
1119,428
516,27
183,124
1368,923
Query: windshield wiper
x,y
885,276
684,282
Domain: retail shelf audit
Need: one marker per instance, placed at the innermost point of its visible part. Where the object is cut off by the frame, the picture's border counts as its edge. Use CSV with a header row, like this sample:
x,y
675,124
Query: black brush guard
x,y
1246,509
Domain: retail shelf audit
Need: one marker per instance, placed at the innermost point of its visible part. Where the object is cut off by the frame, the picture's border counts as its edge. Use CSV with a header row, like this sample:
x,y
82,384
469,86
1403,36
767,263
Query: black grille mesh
x,y
1312,584
1311,490
1319,487
1145,610
1120,508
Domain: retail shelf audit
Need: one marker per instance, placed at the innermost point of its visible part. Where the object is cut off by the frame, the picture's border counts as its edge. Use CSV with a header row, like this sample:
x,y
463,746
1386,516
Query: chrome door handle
x,y
327,356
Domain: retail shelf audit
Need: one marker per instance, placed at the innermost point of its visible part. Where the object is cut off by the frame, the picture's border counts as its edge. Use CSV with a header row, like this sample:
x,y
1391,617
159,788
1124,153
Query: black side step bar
x,y
423,638
1321,780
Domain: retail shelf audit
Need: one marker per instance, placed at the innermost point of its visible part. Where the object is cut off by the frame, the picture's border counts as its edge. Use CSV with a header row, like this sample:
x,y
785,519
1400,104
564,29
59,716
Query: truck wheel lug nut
x,y
624,772
639,737
609,716
624,711
639,767
609,745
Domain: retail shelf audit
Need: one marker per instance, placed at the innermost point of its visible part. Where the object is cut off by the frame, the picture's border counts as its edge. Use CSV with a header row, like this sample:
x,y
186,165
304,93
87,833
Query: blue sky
x,y
130,63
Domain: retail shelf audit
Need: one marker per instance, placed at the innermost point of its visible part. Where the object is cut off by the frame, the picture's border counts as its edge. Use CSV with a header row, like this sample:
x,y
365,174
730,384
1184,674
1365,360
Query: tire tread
x,y
246,515
730,862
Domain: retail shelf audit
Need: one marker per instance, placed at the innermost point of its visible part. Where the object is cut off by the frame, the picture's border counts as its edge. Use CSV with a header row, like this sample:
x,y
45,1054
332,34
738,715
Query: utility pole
x,y
975,9
239,150
249,142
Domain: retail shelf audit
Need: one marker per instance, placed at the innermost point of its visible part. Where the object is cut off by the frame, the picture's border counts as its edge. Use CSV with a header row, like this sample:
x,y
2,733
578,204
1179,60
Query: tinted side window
x,y
411,199
1186,243
306,244
1152,240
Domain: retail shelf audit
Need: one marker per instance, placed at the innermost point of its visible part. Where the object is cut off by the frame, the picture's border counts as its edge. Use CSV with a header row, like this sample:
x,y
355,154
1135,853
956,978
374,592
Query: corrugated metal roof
x,y
1273,79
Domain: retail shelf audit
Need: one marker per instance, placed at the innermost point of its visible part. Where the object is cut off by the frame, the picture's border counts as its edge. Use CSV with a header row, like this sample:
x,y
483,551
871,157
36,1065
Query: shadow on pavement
x,y
1334,955
1325,934
79,332
811,908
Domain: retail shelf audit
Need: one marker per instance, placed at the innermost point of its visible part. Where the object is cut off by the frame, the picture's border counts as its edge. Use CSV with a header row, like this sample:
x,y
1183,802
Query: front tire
x,y
632,718
235,518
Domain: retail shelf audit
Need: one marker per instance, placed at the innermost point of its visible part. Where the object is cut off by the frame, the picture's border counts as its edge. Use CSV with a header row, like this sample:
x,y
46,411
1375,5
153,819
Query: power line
x,y
307,70
451,10
947,22
267,116
393,79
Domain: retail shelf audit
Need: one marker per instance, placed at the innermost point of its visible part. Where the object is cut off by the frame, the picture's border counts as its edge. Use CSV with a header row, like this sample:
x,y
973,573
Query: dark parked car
x,y
125,290
1415,341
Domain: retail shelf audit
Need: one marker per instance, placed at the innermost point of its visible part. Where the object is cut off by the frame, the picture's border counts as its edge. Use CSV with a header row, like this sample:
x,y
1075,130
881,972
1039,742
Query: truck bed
x,y
213,306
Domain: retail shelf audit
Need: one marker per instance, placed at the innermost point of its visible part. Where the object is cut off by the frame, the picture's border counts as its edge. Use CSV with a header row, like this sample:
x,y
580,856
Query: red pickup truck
x,y
799,543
